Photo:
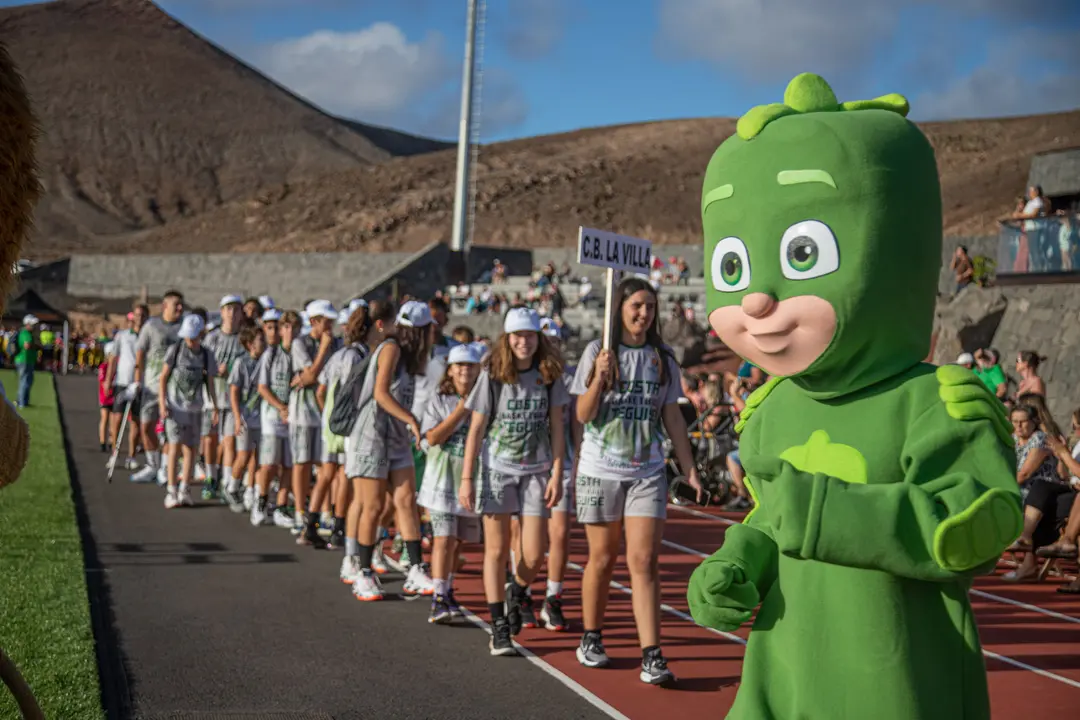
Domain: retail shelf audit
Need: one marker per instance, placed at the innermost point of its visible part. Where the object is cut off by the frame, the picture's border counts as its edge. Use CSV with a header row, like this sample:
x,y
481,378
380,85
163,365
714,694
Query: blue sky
x,y
556,65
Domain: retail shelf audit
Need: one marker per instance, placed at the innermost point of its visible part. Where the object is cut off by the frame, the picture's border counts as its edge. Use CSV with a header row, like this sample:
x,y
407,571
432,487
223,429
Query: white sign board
x,y
616,252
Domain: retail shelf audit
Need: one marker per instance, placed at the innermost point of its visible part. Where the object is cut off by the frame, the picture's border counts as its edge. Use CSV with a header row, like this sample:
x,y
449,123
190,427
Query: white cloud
x,y
377,75
1033,72
1030,66
771,40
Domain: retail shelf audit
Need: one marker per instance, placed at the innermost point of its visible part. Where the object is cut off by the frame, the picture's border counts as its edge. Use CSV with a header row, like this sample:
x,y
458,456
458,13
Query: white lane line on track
x,y
980,593
574,686
996,656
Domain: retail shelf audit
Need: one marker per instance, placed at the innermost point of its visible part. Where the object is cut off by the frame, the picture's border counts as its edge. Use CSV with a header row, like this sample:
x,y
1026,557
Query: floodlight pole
x,y
461,186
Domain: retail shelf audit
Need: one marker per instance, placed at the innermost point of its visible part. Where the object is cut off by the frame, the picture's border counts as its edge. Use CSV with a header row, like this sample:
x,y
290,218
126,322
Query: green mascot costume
x,y
882,485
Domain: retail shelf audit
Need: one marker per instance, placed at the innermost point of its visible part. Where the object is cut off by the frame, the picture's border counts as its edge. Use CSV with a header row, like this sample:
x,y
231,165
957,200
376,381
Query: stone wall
x,y
1041,318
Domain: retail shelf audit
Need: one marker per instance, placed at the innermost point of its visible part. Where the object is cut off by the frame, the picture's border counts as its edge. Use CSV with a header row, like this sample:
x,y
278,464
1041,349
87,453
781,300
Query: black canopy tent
x,y
30,303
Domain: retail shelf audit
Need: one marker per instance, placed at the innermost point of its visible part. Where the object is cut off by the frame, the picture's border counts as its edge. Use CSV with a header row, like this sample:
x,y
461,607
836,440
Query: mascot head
x,y
19,192
823,232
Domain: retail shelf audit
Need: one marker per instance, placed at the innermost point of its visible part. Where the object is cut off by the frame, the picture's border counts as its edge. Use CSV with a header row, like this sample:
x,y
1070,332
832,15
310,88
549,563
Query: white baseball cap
x,y
266,301
965,359
191,327
271,315
414,314
320,308
357,303
467,353
549,327
231,300
521,320
30,320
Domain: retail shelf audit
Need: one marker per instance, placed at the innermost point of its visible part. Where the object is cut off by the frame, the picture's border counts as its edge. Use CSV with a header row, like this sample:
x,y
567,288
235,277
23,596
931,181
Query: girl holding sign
x,y
521,390
624,395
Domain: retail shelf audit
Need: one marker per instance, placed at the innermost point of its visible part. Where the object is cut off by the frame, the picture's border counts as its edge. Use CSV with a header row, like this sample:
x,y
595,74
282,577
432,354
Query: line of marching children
x,y
498,444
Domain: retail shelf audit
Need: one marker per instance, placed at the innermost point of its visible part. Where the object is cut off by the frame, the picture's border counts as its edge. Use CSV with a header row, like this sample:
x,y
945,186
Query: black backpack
x,y
347,398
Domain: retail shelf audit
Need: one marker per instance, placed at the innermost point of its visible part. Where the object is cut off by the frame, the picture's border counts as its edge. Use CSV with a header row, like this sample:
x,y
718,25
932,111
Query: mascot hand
x,y
784,497
719,594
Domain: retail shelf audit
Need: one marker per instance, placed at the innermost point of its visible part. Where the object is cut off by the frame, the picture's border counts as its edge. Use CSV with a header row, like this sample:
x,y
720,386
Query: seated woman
x,y
1037,475
1067,545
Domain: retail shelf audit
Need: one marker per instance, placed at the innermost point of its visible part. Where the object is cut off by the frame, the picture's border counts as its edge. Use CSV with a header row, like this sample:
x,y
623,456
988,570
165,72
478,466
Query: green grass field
x,y
44,611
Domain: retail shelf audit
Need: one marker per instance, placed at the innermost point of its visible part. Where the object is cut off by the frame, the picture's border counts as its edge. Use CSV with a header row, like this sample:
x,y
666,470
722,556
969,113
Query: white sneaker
x,y
258,517
162,476
249,498
147,475
131,464
366,586
200,471
184,497
378,561
418,582
170,500
298,524
282,519
350,568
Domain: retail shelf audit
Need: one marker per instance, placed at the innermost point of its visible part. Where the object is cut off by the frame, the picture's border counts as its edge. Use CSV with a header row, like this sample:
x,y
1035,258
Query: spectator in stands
x,y
1030,251
989,370
963,267
1036,472
463,335
1066,240
584,292
1027,365
498,272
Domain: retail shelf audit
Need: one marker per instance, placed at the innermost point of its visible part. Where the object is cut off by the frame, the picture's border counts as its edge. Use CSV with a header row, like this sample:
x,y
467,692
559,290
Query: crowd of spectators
x,y
1047,464
1036,237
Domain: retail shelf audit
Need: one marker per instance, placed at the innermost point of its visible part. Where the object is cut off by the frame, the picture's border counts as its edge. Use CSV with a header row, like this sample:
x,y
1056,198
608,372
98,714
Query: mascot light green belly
x,y
882,485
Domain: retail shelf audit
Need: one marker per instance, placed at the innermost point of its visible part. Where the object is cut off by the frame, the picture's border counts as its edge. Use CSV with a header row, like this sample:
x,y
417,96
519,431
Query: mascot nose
x,y
758,305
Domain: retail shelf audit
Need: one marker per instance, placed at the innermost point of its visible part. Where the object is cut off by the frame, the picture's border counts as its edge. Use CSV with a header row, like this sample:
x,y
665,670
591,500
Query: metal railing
x,y
1039,245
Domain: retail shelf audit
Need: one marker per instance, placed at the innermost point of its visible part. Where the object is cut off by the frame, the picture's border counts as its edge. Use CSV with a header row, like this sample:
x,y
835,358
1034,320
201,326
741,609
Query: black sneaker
x,y
552,616
654,669
515,596
336,541
591,653
310,536
452,603
528,615
440,611
501,644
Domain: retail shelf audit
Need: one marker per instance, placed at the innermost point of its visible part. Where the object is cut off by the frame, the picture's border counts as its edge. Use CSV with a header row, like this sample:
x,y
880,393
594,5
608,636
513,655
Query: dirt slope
x,y
146,122
642,180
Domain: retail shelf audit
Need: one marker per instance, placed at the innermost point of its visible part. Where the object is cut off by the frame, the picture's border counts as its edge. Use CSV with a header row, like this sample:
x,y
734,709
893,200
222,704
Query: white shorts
x,y
502,494
275,450
604,501
463,527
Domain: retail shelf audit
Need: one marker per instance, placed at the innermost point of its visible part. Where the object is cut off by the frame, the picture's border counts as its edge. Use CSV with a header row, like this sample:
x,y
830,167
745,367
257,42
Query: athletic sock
x,y
440,586
364,554
226,476
647,651
497,610
153,458
352,546
450,581
339,524
513,563
414,549
554,589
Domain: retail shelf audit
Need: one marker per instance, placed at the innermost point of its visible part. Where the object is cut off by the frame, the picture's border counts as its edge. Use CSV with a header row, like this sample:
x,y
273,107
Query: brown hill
x,y
638,179
145,122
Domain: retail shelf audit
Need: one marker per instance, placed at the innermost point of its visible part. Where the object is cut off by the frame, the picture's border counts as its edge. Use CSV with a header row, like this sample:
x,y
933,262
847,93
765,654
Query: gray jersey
x,y
245,377
275,371
445,463
155,338
375,426
427,384
188,372
124,349
303,407
227,350
625,440
519,441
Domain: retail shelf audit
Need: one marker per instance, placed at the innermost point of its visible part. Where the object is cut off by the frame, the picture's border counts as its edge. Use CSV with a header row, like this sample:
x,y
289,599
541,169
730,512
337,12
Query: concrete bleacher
x,y
585,322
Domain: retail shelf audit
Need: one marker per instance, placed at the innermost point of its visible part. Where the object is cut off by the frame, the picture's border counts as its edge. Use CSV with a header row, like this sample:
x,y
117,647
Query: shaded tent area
x,y
29,302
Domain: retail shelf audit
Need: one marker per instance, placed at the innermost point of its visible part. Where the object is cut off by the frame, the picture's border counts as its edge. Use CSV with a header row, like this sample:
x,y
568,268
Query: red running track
x,y
1031,636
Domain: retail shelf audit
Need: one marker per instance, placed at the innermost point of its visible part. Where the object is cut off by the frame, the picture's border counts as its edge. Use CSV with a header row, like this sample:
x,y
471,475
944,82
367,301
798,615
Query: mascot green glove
x,y
882,485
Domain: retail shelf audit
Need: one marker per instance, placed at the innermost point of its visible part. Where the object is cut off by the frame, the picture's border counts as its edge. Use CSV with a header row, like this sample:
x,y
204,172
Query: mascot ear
x,y
19,192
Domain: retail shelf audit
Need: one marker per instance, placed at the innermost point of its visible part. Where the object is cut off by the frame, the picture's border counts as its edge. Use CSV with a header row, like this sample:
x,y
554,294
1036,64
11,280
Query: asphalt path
x,y
198,615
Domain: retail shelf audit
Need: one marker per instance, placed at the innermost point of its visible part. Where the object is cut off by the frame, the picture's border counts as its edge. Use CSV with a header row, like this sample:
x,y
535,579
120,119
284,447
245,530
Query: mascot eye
x,y
730,265
808,250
